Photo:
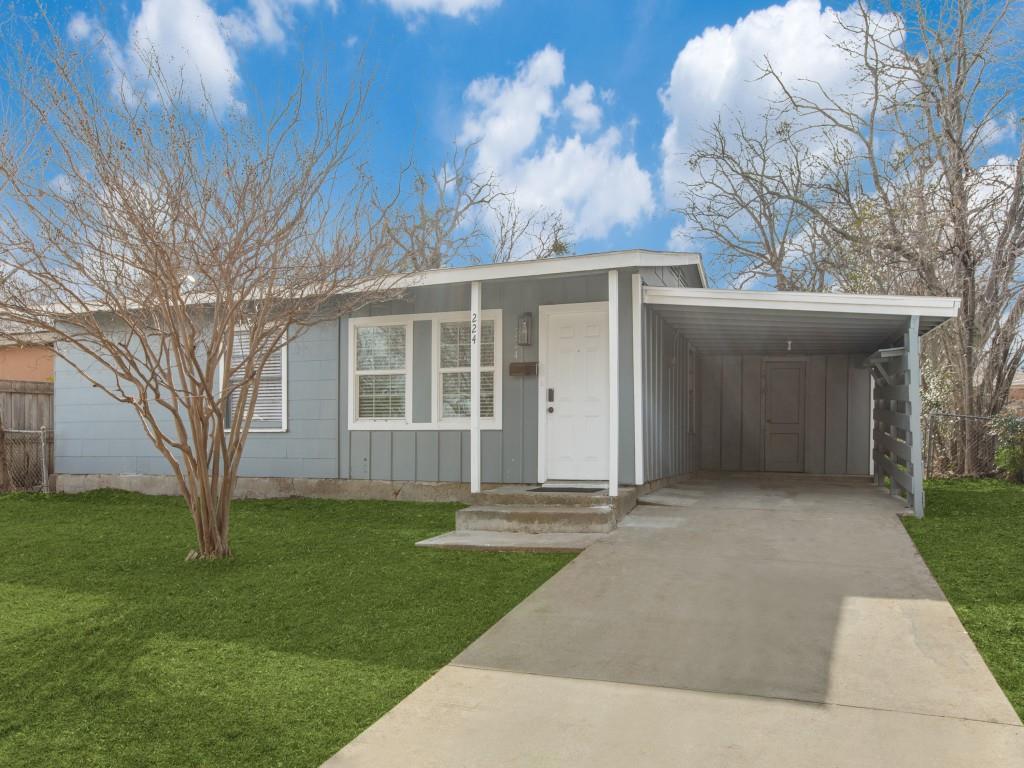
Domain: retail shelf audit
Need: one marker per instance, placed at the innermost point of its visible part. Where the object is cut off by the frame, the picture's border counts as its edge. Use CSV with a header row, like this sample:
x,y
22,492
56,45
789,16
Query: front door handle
x,y
551,395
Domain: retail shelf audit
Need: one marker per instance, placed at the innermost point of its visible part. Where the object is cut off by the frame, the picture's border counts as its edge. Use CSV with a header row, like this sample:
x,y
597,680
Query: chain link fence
x,y
26,459
958,445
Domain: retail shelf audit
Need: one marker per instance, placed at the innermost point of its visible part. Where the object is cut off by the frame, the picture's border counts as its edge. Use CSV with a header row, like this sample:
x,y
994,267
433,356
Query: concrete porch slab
x,y
502,541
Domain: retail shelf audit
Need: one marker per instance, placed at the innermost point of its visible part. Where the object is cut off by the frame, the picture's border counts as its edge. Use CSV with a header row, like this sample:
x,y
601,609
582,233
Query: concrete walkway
x,y
744,620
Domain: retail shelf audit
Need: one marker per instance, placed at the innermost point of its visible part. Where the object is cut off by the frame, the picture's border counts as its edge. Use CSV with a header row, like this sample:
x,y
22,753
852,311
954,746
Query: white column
x,y
613,382
636,297
475,328
871,422
912,349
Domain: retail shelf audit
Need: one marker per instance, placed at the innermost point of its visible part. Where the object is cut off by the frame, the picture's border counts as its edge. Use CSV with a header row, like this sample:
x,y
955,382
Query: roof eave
x,y
931,306
565,265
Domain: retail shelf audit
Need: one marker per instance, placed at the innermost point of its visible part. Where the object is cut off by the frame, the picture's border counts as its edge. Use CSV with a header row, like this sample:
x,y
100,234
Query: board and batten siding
x,y
667,448
836,414
664,376
508,455
96,435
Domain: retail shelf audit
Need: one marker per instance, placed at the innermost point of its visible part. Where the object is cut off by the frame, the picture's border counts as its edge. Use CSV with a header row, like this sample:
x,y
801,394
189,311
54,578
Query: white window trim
x,y
223,372
435,423
354,422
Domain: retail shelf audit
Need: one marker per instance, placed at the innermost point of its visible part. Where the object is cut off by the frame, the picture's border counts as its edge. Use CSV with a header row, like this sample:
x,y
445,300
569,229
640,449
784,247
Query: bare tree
x,y
947,212
454,214
172,253
744,195
906,194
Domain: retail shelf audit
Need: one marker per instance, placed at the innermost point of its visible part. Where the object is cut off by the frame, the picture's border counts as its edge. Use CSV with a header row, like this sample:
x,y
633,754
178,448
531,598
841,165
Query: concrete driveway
x,y
744,620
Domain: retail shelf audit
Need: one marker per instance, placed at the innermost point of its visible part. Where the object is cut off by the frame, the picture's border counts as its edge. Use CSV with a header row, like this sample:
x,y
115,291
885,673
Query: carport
x,y
819,384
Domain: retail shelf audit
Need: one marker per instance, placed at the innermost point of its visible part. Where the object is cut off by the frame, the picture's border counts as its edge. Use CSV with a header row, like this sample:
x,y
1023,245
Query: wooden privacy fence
x,y
26,435
26,404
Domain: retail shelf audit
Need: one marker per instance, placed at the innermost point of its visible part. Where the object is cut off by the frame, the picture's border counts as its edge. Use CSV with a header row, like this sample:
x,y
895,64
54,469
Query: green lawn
x,y
116,652
972,537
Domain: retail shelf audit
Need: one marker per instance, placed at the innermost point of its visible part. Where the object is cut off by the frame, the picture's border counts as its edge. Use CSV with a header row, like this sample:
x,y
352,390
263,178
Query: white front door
x,y
574,391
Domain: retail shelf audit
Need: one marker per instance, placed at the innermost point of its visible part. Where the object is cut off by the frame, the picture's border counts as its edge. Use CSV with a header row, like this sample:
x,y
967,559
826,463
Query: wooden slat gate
x,y
26,434
26,404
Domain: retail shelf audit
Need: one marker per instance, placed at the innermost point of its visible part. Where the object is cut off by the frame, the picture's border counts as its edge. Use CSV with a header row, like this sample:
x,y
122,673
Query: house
x,y
1015,399
30,359
618,369
1017,387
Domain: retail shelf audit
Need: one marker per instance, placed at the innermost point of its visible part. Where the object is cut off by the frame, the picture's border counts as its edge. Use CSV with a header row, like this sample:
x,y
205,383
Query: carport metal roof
x,y
768,322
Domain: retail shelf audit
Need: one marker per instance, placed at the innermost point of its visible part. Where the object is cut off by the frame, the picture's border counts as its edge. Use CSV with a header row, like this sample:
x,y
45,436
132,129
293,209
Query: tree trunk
x,y
210,505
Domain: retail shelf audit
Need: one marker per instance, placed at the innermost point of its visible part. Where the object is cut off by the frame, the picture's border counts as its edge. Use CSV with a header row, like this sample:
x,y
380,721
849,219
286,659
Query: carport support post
x,y
613,382
912,346
474,387
637,307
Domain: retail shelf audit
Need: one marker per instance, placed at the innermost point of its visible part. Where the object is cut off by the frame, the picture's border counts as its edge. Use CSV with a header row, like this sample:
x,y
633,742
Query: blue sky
x,y
581,107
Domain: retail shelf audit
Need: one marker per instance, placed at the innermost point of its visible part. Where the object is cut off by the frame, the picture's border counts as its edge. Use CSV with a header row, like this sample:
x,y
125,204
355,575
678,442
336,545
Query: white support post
x,y
474,387
914,435
613,382
637,299
871,422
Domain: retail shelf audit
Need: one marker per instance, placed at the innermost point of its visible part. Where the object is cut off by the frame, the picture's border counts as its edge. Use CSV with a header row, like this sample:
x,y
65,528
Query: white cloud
x,y
80,27
720,68
596,184
267,21
585,113
1000,129
188,38
682,238
454,8
192,43
505,114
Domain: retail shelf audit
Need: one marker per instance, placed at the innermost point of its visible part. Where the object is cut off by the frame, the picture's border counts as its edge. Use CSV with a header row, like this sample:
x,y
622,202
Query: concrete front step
x,y
521,496
536,518
502,541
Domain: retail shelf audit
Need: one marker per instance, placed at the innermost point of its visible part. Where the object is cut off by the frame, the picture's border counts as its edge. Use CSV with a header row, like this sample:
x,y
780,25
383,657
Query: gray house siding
x,y
664,379
836,420
95,435
508,455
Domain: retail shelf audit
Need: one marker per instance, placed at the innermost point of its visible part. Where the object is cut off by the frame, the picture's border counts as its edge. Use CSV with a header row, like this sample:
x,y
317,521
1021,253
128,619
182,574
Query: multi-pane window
x,y
381,369
413,371
270,414
454,369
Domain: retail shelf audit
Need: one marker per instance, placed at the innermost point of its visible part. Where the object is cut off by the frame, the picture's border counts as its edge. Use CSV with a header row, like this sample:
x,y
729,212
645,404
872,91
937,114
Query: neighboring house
x,y
31,360
1017,387
618,368
1015,402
